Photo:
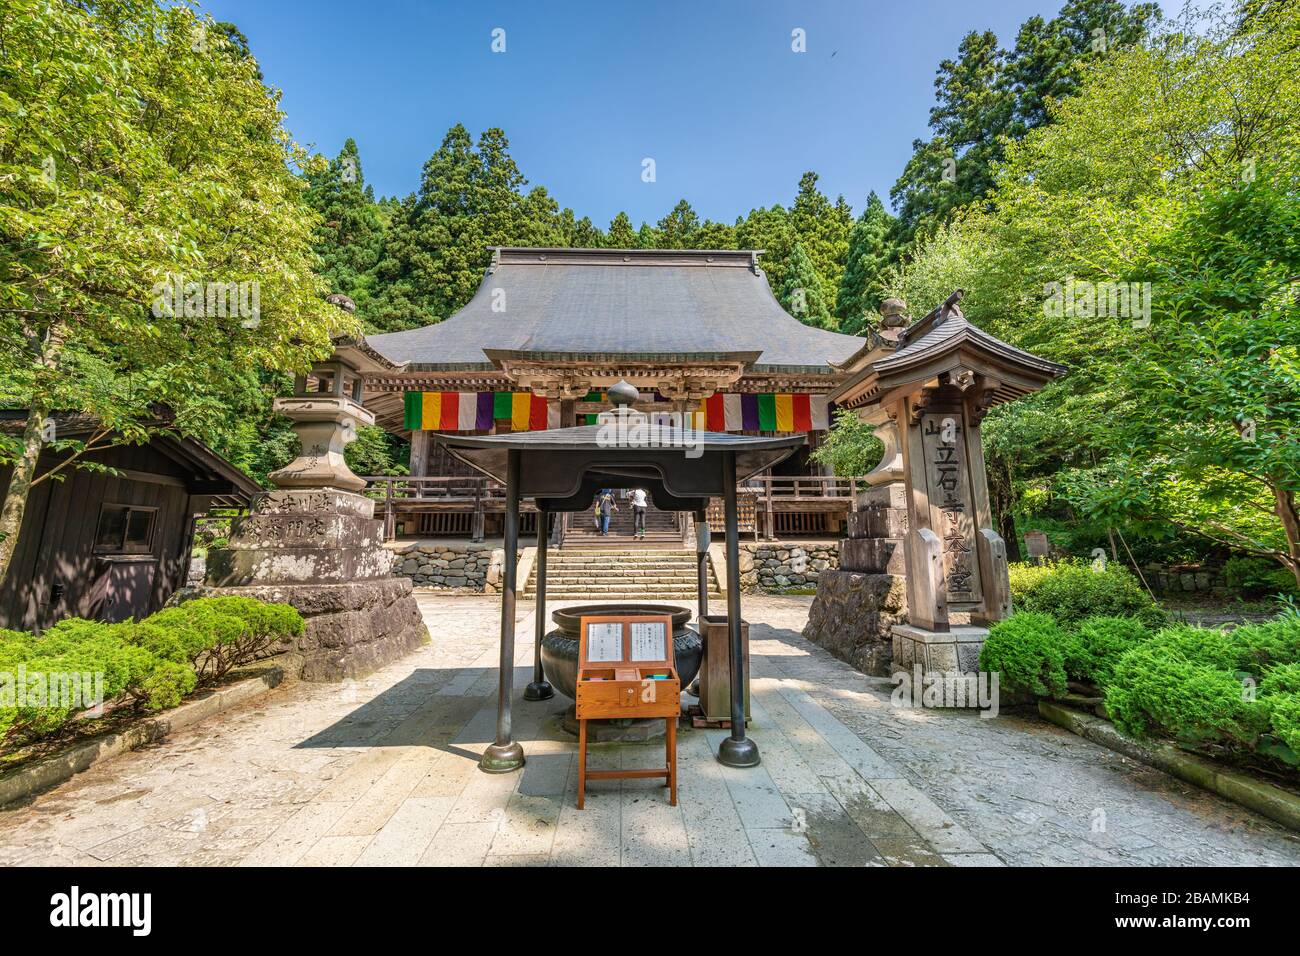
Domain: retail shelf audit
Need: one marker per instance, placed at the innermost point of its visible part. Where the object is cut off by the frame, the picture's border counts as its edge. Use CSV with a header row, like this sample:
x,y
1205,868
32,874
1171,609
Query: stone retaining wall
x,y
449,565
785,565
1200,580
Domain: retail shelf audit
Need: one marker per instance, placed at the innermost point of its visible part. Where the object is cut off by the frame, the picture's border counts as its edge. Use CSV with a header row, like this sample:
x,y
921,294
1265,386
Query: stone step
x,y
679,580
621,570
592,557
624,595
613,564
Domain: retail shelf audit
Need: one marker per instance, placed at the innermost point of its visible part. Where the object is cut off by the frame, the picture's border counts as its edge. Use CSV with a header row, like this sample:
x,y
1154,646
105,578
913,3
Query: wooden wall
x,y
56,544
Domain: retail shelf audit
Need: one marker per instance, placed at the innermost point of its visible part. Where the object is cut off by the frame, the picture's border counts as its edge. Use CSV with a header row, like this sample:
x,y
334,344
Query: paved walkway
x,y
383,771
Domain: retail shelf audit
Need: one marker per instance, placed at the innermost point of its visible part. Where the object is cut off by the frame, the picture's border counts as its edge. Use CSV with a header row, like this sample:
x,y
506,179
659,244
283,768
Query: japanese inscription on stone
x,y
943,438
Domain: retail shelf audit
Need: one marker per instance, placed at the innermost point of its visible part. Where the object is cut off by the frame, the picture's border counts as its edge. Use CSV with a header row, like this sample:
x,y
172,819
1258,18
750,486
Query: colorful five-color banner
x,y
479,411
768,412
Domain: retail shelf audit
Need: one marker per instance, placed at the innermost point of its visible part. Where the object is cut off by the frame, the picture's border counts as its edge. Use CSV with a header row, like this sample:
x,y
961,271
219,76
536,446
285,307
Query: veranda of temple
x,y
698,332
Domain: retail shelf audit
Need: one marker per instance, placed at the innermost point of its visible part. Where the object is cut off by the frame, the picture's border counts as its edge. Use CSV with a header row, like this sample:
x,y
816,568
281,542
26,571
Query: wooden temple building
x,y
697,332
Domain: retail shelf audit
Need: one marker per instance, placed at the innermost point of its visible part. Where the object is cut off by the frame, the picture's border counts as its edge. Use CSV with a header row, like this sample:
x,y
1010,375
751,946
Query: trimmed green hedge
x,y
1234,691
153,664
1095,645
1025,651
1158,690
1071,591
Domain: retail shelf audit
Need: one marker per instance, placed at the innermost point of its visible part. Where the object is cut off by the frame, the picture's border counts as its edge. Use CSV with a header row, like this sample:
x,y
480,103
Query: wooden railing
x,y
765,496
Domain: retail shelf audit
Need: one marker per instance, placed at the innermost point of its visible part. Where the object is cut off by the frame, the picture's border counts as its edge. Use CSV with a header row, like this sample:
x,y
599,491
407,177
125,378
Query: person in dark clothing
x,y
607,508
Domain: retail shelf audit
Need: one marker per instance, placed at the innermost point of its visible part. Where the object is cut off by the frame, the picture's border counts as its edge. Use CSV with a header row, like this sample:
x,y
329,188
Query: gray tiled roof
x,y
610,302
934,333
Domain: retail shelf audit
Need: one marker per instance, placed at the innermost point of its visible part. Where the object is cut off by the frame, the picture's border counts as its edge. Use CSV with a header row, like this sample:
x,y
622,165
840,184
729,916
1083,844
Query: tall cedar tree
x,y
872,252
987,96
350,237
801,291
621,235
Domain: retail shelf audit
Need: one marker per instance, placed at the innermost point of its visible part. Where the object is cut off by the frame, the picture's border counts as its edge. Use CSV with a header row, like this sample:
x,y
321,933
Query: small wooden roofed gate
x,y
561,470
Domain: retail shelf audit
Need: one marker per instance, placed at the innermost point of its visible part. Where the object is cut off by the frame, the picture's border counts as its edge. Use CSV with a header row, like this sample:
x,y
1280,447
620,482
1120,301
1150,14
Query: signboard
x,y
943,442
649,641
605,641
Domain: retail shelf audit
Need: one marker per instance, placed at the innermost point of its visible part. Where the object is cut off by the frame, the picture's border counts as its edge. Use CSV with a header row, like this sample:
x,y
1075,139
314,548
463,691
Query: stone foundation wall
x,y
449,565
1200,580
785,565
858,605
854,615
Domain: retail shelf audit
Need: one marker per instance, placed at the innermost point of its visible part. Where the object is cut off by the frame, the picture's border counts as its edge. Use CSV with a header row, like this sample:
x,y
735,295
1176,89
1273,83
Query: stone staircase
x,y
592,573
661,529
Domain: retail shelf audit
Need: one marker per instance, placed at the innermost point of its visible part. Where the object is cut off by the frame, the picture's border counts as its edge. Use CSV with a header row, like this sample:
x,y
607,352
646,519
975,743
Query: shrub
x,y
1280,690
1254,577
1270,642
154,663
229,631
1184,682
1025,651
1071,591
72,647
1097,643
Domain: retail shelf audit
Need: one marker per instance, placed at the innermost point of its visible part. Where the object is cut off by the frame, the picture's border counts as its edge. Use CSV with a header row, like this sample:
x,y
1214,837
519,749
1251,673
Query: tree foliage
x,y
138,146
1171,174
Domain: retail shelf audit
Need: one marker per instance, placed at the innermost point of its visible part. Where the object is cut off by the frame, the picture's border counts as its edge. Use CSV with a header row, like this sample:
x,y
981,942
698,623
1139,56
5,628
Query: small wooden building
x,y
111,546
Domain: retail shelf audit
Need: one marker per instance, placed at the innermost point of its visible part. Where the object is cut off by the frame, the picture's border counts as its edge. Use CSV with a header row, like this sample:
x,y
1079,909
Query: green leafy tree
x,y
1191,205
621,235
988,97
871,255
350,236
678,229
851,447
1051,57
1218,449
136,153
801,291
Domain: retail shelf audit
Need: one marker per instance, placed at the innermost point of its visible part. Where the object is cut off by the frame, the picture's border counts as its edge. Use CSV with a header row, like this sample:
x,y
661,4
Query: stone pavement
x,y
383,771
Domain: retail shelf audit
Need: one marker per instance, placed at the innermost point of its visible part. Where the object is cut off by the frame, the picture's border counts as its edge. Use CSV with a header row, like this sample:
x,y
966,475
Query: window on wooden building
x,y
124,529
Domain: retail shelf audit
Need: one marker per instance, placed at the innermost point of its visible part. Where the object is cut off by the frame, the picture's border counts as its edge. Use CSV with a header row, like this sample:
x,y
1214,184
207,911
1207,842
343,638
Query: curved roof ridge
x,y
612,301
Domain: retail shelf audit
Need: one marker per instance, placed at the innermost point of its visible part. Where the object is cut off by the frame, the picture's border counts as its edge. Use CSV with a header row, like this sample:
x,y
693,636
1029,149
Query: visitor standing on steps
x,y
638,513
606,507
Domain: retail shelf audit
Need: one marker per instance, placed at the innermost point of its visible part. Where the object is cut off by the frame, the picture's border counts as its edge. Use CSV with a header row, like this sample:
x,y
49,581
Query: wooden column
x,y
419,462
539,689
506,754
736,750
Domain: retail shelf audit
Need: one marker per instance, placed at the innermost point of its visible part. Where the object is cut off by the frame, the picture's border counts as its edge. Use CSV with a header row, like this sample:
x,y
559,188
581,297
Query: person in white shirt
x,y
638,513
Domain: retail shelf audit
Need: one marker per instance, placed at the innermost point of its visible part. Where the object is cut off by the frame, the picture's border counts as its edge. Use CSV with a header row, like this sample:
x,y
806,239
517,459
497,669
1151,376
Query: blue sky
x,y
585,91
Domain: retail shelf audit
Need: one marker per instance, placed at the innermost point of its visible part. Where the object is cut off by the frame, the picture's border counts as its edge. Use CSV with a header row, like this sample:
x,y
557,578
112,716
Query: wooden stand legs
x,y
670,745
582,762
669,773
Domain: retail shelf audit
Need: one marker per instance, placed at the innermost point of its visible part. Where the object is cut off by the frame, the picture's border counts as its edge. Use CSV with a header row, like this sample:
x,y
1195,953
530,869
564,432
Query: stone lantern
x,y
325,420
314,541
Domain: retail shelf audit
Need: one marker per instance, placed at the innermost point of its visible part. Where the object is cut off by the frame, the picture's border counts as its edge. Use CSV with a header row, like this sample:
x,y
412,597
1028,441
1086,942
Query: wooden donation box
x,y
625,670
715,673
